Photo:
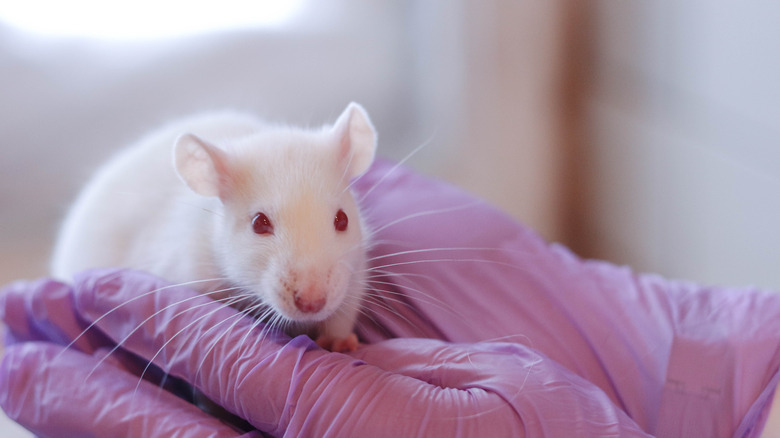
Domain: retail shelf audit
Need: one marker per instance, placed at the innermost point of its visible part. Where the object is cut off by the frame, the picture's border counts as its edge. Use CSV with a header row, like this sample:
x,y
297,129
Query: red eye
x,y
341,221
262,225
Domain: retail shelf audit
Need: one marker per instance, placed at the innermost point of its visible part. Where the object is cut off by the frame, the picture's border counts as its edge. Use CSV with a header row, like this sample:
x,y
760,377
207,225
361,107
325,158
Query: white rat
x,y
264,209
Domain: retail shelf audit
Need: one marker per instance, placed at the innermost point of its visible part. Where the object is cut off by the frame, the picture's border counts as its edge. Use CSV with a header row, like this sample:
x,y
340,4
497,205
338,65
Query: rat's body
x,y
263,209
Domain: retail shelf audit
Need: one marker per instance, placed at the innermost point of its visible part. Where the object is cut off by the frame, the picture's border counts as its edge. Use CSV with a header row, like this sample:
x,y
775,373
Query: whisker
x,y
395,167
228,301
424,297
379,300
380,273
267,312
139,325
238,316
137,297
258,319
431,250
452,260
426,213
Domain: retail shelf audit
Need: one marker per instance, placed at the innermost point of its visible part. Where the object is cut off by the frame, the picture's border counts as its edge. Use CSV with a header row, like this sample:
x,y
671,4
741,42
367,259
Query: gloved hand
x,y
402,387
542,343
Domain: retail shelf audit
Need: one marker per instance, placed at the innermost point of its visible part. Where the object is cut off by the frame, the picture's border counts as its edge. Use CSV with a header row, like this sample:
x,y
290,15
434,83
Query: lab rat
x,y
239,209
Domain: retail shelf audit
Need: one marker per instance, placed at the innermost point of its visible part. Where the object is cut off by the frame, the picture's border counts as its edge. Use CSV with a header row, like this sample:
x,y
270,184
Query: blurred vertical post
x,y
505,80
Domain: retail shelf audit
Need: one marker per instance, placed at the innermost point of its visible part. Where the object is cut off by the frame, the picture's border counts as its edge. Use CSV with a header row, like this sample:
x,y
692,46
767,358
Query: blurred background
x,y
644,133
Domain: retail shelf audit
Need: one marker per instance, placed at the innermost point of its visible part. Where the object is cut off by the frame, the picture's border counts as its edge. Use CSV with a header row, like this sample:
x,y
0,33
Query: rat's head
x,y
289,231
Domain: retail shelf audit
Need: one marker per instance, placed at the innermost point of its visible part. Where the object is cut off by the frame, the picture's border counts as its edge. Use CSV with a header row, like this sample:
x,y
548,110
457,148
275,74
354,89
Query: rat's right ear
x,y
357,139
201,165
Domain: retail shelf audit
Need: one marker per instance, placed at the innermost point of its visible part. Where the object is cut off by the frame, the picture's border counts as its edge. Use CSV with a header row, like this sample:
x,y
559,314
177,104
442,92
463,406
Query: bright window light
x,y
143,19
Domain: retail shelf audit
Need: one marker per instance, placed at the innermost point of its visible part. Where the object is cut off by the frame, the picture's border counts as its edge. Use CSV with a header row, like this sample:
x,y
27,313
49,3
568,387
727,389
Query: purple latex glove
x,y
681,359
585,348
56,392
402,387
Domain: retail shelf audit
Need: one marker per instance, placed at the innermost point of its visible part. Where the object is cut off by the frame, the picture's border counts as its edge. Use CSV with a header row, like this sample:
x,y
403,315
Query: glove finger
x,y
188,336
43,310
56,392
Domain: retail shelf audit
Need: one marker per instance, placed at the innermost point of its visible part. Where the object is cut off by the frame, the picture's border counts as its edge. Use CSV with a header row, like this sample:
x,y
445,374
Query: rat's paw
x,y
344,345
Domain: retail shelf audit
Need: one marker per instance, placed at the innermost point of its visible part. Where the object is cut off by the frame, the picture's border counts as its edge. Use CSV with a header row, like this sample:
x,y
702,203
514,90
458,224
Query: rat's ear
x,y
201,165
357,139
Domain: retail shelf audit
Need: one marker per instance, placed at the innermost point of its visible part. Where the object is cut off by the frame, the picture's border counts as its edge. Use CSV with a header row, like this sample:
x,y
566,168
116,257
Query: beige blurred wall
x,y
511,149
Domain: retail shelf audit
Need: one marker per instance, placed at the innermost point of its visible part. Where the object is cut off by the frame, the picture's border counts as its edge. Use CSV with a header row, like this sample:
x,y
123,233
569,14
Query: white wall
x,y
684,117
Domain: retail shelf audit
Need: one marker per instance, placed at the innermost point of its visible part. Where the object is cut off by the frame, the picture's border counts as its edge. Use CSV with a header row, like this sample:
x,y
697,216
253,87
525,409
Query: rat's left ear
x,y
357,139
201,165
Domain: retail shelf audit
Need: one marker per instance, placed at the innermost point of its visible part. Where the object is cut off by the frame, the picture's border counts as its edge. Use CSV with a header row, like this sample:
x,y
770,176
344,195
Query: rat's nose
x,y
309,301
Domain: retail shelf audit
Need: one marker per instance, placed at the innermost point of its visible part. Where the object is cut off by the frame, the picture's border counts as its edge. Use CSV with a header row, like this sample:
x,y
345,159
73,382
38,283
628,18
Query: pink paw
x,y
344,345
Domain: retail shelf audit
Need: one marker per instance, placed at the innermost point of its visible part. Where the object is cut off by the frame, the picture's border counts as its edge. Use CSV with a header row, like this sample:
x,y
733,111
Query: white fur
x,y
180,204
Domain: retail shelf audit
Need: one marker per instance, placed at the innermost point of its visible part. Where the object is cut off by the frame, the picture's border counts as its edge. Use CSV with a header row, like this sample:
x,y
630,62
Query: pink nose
x,y
309,303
